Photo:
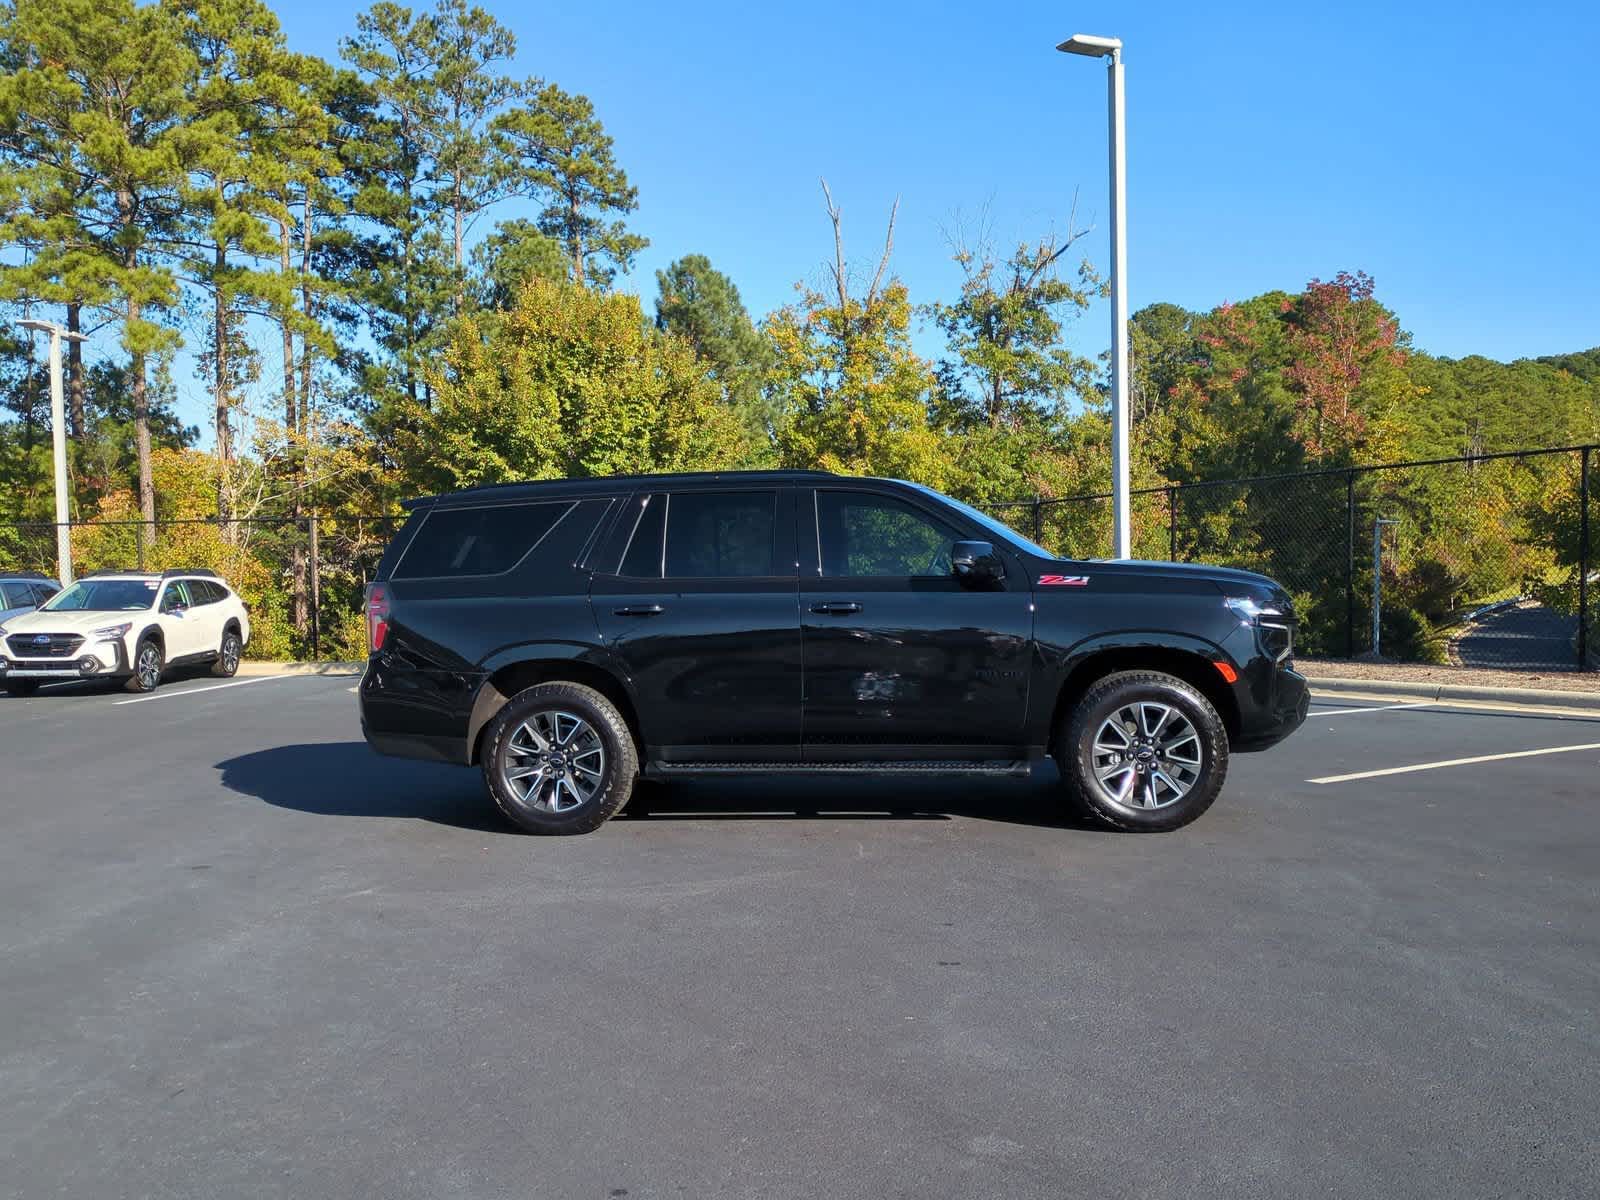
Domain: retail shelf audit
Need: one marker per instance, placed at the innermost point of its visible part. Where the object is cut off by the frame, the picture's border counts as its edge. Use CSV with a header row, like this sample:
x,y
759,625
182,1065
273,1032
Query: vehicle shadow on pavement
x,y
345,779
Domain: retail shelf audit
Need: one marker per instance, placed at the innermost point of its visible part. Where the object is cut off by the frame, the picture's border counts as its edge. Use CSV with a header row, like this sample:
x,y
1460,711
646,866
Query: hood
x,y
84,621
1227,579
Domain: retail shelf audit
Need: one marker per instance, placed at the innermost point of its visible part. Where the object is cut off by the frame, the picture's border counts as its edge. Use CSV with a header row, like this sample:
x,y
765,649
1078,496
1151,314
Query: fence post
x,y
1350,565
1172,524
1038,527
1583,560
316,592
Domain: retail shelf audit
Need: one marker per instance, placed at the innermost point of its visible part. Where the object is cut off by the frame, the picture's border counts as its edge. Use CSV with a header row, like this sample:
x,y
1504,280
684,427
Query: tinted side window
x,y
642,558
862,535
477,541
11,595
176,596
201,591
42,592
714,535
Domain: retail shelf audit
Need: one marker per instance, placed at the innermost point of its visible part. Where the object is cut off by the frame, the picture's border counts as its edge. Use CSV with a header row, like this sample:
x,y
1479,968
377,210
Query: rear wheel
x,y
147,663
21,687
559,758
227,664
1143,751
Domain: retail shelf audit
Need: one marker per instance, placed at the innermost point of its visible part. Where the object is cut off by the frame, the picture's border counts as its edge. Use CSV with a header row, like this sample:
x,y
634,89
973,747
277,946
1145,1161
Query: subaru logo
x,y
42,639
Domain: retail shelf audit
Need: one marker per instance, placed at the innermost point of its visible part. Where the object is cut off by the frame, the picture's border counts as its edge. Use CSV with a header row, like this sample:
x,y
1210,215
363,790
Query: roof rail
x,y
174,573
202,572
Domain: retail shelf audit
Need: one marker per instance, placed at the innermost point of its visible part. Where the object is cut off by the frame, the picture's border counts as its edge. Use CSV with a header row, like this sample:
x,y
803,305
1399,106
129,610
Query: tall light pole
x,y
58,438
1110,49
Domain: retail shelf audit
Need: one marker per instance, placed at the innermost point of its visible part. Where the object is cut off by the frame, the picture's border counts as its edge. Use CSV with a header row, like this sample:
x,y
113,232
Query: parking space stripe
x,y
1454,762
1344,712
212,688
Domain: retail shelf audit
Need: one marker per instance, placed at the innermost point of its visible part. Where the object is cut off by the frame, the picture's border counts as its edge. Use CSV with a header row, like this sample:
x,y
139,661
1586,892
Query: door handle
x,y
640,610
836,608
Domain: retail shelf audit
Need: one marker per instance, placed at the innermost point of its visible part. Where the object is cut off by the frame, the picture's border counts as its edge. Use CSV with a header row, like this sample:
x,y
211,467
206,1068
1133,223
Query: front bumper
x,y
1277,706
91,661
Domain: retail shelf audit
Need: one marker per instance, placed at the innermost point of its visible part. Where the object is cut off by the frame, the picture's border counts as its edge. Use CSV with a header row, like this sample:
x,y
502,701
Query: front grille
x,y
1277,639
61,645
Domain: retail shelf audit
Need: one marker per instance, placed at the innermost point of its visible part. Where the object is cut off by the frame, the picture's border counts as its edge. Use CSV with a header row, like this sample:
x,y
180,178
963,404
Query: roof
x,y
598,483
182,573
26,575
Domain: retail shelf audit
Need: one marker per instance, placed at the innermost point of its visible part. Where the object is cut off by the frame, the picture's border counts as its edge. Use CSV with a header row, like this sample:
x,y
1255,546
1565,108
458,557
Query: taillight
x,y
377,617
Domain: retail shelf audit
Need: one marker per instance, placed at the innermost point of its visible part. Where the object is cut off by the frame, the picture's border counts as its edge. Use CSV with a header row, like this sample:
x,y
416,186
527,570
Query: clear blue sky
x,y
1268,143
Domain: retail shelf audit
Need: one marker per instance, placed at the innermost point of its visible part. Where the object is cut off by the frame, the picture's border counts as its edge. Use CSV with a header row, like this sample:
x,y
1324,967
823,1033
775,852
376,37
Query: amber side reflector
x,y
1229,675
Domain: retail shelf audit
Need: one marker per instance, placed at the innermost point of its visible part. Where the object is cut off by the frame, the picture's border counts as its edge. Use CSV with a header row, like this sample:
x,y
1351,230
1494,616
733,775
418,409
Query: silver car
x,y
23,591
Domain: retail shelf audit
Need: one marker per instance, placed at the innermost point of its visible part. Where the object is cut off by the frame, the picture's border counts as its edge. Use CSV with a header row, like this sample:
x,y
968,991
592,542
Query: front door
x,y
901,660
179,627
700,610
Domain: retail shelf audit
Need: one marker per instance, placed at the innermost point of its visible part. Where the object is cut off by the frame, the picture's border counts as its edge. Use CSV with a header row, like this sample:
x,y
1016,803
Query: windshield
x,y
1007,534
105,595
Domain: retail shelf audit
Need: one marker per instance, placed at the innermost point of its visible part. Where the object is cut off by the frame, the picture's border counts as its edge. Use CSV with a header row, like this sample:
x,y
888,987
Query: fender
x,y
1056,663
489,699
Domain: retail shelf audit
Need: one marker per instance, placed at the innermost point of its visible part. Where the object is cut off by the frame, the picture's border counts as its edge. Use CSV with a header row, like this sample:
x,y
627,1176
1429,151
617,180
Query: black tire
x,y
227,664
21,687
142,679
536,716
1170,778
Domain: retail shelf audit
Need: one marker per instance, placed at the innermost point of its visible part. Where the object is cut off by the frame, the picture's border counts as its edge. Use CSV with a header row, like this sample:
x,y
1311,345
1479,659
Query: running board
x,y
1008,767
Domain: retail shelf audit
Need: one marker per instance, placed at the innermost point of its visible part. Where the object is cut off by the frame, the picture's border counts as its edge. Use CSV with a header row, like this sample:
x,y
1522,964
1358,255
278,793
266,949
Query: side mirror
x,y
975,564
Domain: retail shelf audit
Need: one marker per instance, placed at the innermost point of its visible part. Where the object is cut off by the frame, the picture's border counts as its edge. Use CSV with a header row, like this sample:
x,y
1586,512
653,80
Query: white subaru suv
x,y
127,625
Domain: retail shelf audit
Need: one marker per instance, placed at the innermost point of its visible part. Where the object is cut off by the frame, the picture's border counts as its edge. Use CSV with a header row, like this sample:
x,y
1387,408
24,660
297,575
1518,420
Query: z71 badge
x,y
1063,581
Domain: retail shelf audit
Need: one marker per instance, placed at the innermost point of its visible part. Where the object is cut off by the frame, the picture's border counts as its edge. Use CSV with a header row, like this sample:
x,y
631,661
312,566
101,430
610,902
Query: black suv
x,y
578,637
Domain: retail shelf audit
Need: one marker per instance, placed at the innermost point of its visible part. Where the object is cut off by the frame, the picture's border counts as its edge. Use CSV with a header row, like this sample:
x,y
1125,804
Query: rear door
x,y
696,597
901,660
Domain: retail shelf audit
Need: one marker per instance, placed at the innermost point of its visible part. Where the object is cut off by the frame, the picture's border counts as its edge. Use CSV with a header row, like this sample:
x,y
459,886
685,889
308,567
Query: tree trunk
x,y
75,388
576,244
219,351
141,401
308,307
289,415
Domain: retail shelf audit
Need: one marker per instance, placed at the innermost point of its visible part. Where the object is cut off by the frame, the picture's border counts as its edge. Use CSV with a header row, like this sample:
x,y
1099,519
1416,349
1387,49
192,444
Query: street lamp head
x,y
50,327
1089,45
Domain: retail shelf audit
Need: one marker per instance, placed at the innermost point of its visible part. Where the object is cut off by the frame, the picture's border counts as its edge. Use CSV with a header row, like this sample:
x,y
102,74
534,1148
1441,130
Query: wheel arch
x,y
509,679
1189,660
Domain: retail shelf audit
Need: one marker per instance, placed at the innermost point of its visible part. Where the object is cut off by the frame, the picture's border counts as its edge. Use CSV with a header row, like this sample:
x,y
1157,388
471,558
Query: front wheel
x,y
147,664
559,759
1144,751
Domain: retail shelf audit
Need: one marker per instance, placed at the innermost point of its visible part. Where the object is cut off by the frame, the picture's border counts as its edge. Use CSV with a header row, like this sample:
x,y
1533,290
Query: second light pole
x,y
1110,49
58,437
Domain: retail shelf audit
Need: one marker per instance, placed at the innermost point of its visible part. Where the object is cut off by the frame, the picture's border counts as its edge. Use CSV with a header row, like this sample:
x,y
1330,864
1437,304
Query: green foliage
x,y
555,147
701,305
570,382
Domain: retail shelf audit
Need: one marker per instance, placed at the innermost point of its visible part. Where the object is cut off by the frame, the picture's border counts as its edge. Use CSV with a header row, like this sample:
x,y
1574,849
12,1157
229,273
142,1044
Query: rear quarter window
x,y
487,540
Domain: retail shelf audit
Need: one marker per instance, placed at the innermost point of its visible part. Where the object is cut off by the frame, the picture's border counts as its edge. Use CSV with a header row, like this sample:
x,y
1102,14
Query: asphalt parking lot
x,y
244,957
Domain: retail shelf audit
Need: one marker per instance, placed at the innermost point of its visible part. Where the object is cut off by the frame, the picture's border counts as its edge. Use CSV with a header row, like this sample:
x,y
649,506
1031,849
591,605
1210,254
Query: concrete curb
x,y
300,668
1455,691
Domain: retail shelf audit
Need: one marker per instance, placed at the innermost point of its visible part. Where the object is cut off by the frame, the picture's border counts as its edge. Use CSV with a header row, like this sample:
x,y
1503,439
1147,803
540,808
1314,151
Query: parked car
x,y
23,591
573,638
128,625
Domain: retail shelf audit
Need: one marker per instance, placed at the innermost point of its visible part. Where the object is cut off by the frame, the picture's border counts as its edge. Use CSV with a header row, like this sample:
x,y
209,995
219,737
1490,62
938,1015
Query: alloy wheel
x,y
149,666
1147,755
554,761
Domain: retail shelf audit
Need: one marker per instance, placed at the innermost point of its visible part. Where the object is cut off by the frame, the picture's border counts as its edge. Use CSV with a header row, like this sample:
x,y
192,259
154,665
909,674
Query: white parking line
x,y
1454,762
1344,712
212,688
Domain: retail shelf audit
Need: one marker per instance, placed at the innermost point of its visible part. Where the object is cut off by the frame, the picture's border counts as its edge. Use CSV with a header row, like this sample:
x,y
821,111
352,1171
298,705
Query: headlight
x,y
1250,609
1273,630
112,632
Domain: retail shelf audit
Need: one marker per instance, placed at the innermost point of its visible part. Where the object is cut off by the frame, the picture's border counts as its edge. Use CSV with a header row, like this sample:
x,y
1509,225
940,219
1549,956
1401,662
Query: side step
x,y
1014,768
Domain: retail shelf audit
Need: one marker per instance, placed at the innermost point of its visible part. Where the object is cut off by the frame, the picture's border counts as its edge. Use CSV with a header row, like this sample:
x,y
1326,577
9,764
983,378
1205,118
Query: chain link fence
x,y
301,577
1483,561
